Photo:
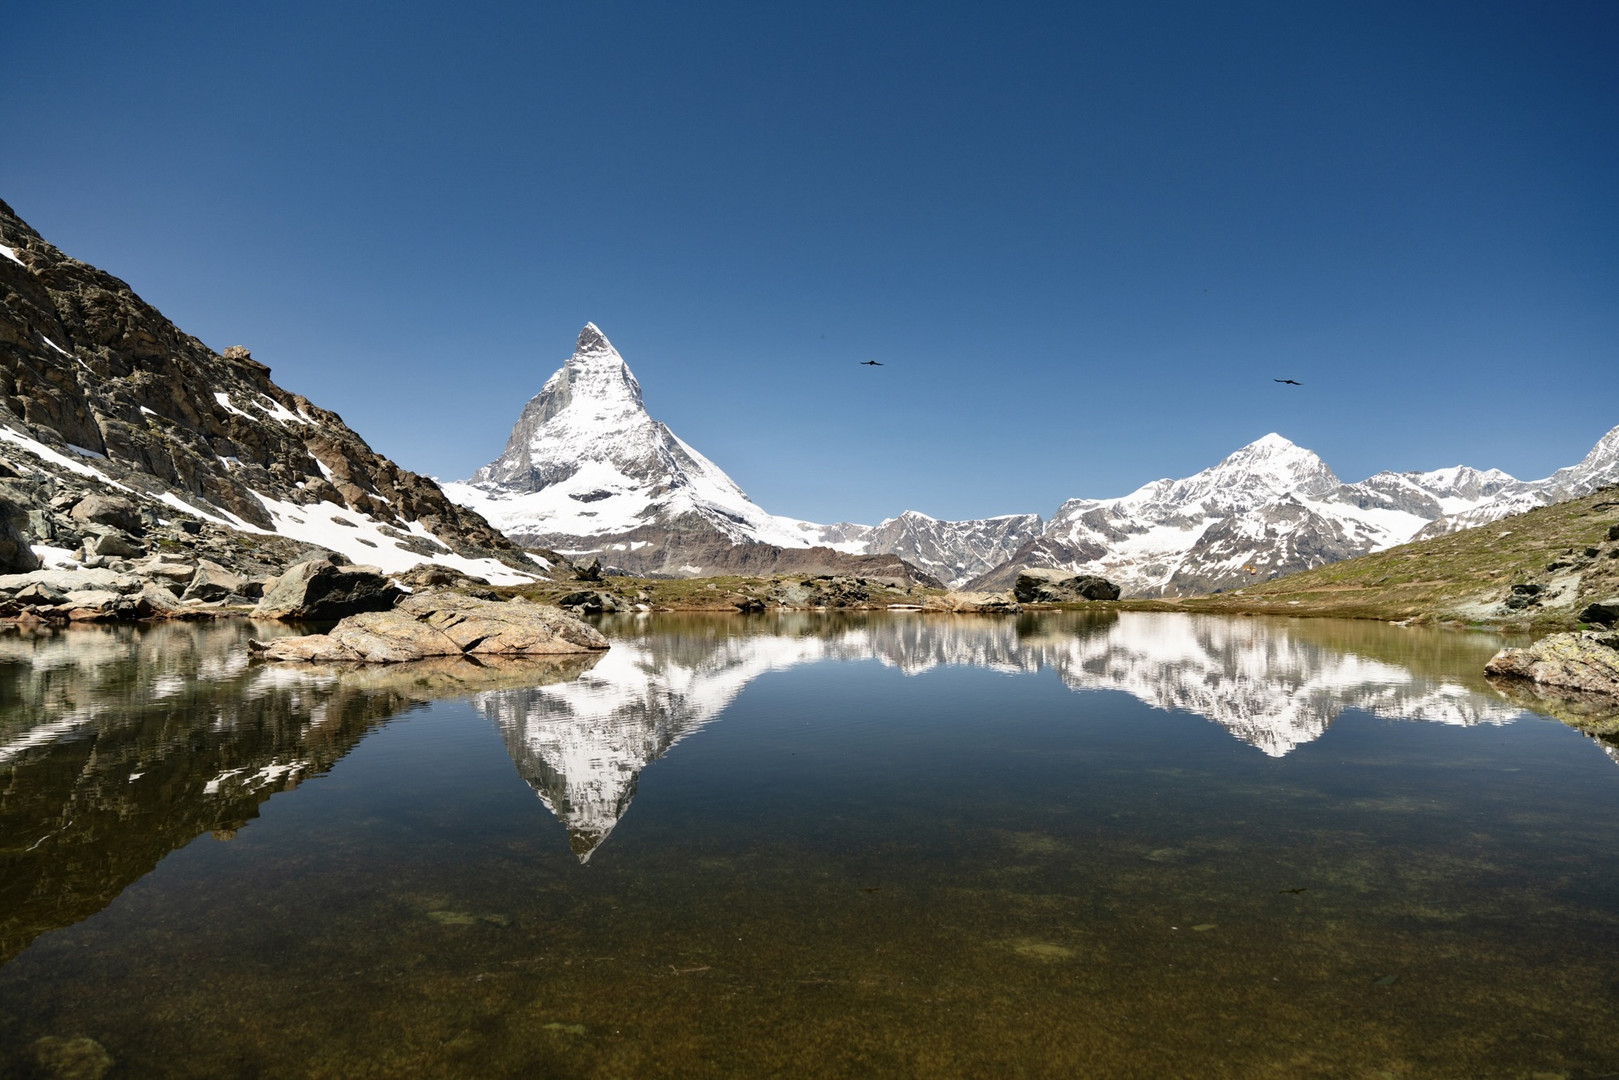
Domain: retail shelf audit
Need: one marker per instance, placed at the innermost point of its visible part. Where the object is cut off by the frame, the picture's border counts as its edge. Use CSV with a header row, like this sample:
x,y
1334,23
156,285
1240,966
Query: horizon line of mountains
x,y
99,392
588,472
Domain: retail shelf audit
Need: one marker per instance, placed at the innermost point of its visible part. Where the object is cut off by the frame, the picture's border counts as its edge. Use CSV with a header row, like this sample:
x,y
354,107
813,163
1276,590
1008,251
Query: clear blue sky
x,y
1082,238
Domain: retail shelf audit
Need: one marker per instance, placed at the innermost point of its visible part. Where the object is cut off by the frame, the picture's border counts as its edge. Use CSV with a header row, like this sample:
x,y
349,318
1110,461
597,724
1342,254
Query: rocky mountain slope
x,y
198,451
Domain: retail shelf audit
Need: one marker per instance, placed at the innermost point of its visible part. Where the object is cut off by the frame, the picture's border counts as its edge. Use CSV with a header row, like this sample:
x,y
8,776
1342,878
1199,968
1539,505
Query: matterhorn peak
x,y
593,342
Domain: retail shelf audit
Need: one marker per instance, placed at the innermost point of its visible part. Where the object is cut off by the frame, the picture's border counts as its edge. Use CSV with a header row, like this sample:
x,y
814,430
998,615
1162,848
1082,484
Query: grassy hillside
x,y
1561,556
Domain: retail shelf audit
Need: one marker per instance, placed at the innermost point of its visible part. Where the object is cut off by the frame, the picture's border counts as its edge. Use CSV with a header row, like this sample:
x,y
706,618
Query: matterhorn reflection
x,y
582,745
1275,685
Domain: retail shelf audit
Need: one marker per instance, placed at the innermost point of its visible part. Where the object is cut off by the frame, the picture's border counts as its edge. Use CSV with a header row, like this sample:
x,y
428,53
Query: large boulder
x,y
429,624
972,603
1035,585
212,582
1604,612
174,571
111,510
319,589
1586,661
113,544
16,556
588,602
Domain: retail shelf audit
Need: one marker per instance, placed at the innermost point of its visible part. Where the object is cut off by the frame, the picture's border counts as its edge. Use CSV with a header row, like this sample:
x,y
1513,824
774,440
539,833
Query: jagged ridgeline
x,y
100,393
588,471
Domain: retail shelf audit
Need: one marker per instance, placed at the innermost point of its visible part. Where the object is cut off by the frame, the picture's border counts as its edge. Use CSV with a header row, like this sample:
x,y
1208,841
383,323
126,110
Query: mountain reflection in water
x,y
119,745
1275,685
953,874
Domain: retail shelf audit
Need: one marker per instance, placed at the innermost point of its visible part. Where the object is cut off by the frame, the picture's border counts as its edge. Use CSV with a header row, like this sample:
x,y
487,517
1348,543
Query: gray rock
x,y
1586,661
89,605
589,602
430,576
155,601
212,583
1605,612
108,510
113,544
63,580
974,603
16,556
167,568
430,624
320,589
39,593
1039,586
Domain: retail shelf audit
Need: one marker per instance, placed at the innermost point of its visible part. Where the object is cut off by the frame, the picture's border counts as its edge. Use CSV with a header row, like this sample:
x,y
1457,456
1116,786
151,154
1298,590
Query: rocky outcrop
x,y
121,435
442,624
764,560
211,582
85,594
1603,612
16,556
972,603
1043,551
321,589
1036,586
1587,662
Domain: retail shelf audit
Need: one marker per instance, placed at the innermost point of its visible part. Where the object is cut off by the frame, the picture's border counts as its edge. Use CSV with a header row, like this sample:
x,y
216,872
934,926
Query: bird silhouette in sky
x,y
871,363
1290,382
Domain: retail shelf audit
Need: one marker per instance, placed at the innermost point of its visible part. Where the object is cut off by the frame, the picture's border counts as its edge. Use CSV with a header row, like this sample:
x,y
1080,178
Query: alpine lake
x,y
807,845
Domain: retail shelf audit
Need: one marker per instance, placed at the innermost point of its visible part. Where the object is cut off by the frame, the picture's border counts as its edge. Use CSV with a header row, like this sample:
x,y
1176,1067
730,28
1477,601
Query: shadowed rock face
x,y
1058,586
319,589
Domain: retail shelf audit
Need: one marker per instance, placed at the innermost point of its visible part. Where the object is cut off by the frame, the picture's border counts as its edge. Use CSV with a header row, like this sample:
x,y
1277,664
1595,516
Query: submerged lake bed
x,y
1056,844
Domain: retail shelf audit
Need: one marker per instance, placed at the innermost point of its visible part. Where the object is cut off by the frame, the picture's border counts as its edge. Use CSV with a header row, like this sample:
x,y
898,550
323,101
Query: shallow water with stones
x,y
896,845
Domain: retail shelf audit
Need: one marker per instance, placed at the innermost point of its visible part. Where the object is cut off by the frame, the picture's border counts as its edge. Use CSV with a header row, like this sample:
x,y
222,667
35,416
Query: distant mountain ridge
x,y
587,471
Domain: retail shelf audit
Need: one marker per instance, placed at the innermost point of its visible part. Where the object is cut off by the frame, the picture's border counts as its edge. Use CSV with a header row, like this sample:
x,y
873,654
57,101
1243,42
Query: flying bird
x,y
1290,382
872,363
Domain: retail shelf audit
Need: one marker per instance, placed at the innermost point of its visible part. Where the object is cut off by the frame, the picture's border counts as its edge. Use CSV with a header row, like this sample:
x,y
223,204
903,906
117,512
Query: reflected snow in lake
x,y
1143,844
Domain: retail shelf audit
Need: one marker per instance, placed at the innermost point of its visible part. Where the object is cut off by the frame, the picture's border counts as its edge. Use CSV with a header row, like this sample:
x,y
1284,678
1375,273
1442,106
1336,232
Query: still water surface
x,y
1137,846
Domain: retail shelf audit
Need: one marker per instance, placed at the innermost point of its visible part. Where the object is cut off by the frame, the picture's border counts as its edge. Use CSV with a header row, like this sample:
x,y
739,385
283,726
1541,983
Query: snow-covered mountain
x,y
587,470
583,744
952,551
1597,469
1270,508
